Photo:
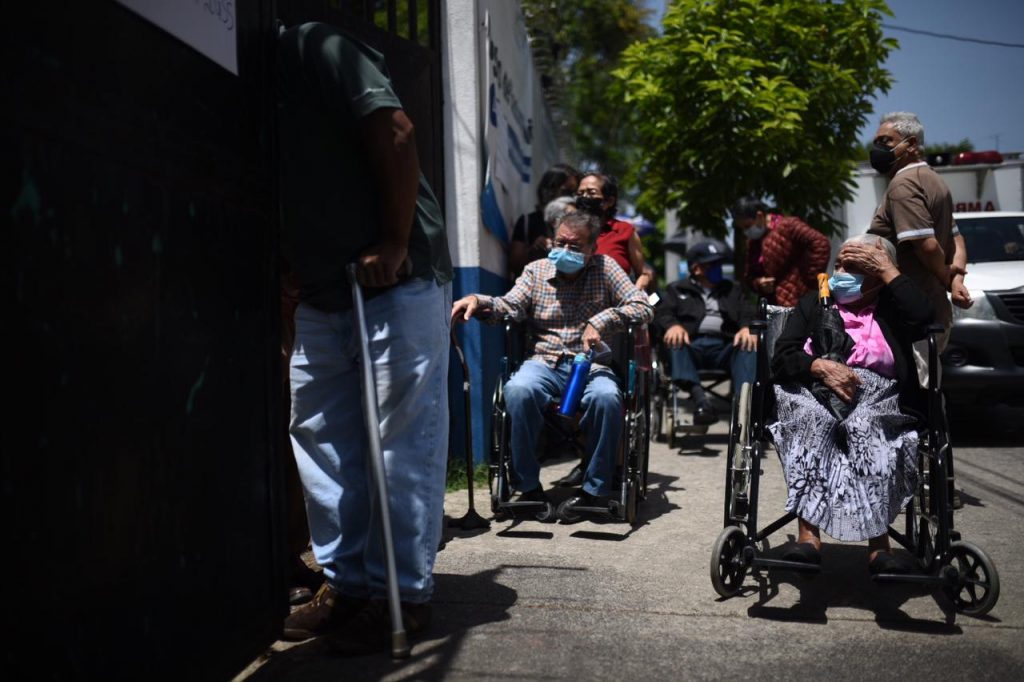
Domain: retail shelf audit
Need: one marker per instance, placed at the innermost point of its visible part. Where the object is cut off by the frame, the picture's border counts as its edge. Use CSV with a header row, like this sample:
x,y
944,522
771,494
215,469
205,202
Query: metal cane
x,y
472,520
399,642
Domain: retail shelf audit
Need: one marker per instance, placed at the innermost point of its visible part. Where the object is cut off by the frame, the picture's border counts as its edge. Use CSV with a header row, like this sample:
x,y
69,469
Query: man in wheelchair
x,y
704,322
570,301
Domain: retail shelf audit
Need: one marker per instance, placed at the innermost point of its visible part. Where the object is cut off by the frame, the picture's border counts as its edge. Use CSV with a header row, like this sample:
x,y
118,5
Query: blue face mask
x,y
845,287
713,272
567,262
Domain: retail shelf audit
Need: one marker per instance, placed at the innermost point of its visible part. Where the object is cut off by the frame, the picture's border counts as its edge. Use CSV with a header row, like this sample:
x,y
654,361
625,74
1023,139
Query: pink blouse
x,y
870,349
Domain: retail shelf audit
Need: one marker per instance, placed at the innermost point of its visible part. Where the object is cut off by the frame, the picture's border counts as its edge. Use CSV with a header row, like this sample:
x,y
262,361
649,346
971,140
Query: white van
x,y
984,362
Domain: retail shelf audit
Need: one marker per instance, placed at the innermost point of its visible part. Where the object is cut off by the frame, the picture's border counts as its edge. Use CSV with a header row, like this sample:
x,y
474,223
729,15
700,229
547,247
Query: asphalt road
x,y
603,601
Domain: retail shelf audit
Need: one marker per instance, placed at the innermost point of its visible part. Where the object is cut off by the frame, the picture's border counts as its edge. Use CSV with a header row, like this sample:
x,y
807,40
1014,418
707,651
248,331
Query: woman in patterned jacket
x,y
784,254
852,477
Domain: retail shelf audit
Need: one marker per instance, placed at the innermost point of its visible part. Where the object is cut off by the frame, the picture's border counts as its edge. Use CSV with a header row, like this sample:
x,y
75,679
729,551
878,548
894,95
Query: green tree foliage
x,y
760,97
577,45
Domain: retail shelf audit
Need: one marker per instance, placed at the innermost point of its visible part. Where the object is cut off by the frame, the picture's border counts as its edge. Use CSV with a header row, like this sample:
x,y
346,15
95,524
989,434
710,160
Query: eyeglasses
x,y
570,246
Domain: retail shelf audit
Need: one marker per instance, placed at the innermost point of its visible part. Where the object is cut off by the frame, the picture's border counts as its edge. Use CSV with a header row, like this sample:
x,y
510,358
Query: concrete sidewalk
x,y
604,601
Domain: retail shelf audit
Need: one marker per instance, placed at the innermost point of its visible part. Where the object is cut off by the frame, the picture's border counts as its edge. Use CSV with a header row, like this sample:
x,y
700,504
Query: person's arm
x,y
930,253
390,142
958,290
815,247
516,303
629,304
636,260
747,309
674,334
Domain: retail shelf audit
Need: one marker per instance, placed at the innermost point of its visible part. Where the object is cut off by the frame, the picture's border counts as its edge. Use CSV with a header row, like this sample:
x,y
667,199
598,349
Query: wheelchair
x,y
632,371
669,423
962,570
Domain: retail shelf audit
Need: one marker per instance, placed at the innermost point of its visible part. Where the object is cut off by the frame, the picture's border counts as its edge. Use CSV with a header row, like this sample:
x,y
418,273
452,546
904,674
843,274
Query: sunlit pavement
x,y
603,601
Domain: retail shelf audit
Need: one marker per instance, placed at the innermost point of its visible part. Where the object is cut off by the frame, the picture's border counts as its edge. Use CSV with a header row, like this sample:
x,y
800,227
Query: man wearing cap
x,y
704,320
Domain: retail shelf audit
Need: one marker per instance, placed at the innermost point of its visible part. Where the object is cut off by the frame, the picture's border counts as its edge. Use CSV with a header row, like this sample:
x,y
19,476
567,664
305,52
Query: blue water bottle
x,y
577,382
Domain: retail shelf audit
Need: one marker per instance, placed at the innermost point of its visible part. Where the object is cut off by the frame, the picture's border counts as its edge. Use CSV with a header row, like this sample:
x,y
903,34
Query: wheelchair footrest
x,y
912,578
783,565
537,506
607,511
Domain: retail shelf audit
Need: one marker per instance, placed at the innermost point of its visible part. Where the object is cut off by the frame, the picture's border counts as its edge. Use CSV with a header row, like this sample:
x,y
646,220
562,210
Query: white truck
x,y
984,362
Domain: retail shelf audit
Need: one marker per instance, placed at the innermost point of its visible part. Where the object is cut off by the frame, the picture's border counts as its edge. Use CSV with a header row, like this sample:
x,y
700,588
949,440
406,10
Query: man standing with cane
x,y
352,191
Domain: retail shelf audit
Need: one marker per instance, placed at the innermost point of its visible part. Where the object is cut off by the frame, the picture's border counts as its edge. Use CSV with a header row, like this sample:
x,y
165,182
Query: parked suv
x,y
984,362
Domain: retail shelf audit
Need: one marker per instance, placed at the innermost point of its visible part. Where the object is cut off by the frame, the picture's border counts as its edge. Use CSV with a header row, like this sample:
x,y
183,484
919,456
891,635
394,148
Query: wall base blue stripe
x,y
483,346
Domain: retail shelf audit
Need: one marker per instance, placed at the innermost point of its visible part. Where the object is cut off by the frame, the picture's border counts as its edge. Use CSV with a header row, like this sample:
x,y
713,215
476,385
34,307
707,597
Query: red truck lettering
x,y
973,206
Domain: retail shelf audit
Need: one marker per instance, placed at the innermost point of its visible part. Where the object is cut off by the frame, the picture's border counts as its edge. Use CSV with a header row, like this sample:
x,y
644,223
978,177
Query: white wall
x,y
462,130
463,36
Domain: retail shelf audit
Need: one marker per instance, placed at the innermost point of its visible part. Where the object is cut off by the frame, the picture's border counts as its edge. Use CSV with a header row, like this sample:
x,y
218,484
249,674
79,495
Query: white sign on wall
x,y
206,25
508,116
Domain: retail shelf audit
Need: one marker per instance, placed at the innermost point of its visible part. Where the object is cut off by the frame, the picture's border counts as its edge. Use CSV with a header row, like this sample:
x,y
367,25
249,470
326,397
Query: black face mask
x,y
589,205
883,158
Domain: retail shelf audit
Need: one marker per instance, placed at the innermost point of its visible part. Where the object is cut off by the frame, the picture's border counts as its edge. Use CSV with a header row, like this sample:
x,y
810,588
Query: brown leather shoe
x,y
327,612
370,629
303,582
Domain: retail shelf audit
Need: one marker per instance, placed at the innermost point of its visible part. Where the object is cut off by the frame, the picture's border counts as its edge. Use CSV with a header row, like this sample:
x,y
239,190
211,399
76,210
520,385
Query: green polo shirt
x,y
326,82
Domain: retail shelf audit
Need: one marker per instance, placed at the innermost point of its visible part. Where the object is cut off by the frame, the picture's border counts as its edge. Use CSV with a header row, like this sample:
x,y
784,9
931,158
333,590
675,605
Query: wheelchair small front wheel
x,y
728,567
977,582
632,502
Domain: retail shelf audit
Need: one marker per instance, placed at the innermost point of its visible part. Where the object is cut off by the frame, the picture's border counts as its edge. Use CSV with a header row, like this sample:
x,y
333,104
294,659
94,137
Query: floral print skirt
x,y
851,478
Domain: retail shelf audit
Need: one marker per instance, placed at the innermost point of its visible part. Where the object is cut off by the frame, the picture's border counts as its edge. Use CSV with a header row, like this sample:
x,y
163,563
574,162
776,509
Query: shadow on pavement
x,y
844,582
461,602
655,506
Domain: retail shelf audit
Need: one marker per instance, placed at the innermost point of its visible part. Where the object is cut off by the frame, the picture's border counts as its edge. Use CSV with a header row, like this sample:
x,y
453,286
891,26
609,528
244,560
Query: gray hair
x,y
583,222
557,209
906,124
871,240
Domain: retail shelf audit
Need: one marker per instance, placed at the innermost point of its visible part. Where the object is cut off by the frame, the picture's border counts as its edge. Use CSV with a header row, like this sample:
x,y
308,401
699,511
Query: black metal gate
x,y
141,487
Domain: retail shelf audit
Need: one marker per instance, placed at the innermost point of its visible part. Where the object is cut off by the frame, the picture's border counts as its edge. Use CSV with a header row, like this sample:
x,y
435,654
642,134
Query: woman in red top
x,y
599,194
784,254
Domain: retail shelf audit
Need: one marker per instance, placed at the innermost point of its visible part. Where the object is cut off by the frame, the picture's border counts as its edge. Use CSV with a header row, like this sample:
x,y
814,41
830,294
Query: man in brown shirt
x,y
916,213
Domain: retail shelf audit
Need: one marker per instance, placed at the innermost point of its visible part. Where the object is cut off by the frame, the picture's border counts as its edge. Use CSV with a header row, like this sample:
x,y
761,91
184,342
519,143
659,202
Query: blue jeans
x,y
528,393
408,332
713,352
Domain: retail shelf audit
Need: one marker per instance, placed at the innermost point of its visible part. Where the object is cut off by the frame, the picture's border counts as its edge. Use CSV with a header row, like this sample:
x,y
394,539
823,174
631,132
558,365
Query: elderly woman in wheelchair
x,y
858,440
570,302
852,467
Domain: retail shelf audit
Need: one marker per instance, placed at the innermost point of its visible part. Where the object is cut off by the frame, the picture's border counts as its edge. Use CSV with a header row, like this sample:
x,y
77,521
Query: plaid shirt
x,y
558,309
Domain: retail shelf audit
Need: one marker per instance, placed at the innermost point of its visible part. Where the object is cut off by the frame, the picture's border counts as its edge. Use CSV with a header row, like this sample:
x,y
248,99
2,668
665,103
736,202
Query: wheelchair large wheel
x,y
656,423
497,471
728,568
977,585
739,439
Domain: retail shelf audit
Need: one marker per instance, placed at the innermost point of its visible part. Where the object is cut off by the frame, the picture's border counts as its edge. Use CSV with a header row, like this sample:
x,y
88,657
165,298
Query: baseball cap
x,y
707,251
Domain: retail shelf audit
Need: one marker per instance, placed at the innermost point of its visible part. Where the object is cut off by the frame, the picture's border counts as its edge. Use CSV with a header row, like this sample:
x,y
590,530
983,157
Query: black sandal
x,y
887,562
802,552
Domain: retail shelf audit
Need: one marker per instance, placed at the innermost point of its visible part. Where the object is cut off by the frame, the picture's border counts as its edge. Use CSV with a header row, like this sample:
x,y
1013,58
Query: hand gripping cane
x,y
399,643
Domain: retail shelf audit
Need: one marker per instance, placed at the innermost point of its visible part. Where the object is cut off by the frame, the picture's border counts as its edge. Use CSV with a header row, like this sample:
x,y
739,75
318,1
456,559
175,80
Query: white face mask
x,y
754,232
